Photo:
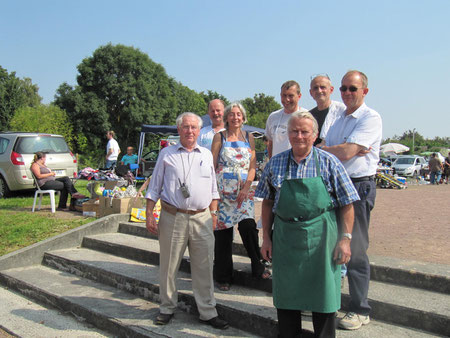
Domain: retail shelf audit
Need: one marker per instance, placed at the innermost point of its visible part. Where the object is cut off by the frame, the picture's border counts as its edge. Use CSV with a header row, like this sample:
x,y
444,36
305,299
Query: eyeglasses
x,y
301,133
352,89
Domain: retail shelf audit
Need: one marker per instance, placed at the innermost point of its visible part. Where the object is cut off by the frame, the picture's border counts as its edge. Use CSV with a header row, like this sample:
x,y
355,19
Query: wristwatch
x,y
346,235
214,212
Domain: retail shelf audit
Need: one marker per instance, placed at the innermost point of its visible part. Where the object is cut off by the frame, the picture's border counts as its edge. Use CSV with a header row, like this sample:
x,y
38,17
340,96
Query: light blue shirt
x,y
362,127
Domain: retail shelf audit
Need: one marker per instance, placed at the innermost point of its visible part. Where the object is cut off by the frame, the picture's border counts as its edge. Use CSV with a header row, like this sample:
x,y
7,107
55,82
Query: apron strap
x,y
288,164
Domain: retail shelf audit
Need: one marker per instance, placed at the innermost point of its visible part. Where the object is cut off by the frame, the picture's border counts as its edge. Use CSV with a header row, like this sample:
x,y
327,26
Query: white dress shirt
x,y
198,175
334,112
362,127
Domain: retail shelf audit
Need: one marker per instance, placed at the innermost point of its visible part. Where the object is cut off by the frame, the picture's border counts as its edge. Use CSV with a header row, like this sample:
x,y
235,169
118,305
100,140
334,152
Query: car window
x,y
3,144
405,160
47,144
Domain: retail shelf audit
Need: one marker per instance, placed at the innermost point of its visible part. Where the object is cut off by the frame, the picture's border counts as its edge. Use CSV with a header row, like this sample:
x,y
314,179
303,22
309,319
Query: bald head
x,y
321,90
215,112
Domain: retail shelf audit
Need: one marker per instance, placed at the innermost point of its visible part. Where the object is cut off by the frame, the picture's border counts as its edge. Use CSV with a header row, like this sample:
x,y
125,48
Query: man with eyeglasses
x,y
326,110
304,191
184,180
355,139
276,124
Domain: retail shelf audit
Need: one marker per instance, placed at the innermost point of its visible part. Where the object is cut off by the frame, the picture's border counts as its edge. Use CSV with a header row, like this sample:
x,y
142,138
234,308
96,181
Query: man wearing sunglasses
x,y
355,139
326,110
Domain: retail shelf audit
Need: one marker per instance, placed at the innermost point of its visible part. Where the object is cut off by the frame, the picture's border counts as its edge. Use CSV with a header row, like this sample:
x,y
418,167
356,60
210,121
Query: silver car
x,y
409,165
17,152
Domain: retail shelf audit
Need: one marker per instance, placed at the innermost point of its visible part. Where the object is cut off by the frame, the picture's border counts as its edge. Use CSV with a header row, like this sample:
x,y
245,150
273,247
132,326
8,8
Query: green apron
x,y
305,277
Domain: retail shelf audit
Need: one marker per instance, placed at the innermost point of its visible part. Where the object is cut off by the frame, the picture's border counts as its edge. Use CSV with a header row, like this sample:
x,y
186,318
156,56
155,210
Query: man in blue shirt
x,y
129,157
308,197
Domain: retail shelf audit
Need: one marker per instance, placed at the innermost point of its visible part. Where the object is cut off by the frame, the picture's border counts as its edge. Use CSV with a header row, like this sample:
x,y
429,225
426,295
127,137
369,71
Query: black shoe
x,y
216,323
163,318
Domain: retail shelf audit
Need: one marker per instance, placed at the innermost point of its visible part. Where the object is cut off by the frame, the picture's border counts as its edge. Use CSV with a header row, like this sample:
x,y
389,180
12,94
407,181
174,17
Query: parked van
x,y
17,152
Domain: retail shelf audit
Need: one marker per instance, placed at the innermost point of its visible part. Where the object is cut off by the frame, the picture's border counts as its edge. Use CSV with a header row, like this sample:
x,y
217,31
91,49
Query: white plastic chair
x,y
41,194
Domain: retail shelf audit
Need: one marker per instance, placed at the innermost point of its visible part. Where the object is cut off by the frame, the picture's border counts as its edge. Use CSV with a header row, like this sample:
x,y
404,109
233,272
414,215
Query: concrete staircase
x,y
106,273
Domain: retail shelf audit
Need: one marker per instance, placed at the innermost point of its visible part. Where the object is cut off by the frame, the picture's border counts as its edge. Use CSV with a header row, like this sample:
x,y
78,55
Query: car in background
x,y
409,165
16,156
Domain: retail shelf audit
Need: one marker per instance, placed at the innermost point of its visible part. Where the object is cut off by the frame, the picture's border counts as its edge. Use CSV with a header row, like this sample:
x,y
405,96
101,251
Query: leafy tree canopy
x,y
258,109
15,93
120,88
212,95
43,119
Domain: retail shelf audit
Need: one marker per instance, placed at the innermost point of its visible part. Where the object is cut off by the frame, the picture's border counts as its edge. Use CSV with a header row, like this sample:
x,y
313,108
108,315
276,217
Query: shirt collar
x,y
304,161
357,113
196,148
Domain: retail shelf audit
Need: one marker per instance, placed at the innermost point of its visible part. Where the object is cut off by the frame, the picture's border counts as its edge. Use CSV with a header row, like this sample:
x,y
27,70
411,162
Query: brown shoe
x,y
216,323
163,318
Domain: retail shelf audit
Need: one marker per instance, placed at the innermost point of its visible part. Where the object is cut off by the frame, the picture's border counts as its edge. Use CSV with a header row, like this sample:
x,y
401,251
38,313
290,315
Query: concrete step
x,y
427,276
424,310
106,307
249,309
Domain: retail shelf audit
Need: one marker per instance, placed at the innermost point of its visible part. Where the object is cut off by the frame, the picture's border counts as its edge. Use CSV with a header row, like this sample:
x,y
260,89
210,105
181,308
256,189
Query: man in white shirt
x,y
185,181
215,111
276,124
112,150
326,111
355,139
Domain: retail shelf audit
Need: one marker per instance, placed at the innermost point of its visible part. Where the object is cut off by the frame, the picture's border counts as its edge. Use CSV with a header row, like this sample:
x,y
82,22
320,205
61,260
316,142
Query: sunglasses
x,y
352,89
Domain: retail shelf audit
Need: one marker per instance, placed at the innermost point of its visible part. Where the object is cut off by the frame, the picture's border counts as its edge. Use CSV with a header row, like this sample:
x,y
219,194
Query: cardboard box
x,y
108,205
91,208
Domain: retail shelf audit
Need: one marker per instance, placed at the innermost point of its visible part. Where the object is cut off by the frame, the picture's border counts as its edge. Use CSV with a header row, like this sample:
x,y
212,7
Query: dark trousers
x,y
358,269
223,250
290,324
63,184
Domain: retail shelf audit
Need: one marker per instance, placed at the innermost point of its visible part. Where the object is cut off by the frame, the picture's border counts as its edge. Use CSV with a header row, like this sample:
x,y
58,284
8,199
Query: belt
x,y
362,179
171,209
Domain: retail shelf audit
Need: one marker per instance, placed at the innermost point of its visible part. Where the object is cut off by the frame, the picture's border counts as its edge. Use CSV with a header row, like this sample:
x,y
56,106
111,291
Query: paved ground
x,y
412,223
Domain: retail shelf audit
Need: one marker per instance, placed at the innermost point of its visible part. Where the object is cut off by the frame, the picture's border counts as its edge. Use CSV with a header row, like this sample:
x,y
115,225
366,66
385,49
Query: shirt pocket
x,y
205,171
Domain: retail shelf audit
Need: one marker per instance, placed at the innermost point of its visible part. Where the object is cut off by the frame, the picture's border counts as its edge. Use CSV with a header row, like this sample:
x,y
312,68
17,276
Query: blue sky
x,y
240,48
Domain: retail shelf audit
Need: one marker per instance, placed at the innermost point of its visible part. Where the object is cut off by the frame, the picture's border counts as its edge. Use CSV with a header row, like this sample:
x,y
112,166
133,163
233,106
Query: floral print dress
x,y
232,171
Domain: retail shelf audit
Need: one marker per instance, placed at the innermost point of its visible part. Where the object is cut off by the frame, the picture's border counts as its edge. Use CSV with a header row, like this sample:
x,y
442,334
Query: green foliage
x,y
120,88
43,119
421,144
258,109
15,93
20,228
212,95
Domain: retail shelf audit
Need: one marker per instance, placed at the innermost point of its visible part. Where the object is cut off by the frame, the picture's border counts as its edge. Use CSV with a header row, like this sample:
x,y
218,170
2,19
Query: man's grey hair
x,y
303,115
183,115
364,79
228,110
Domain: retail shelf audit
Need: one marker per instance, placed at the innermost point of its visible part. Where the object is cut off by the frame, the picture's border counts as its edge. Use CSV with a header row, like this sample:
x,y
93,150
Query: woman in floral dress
x,y
235,161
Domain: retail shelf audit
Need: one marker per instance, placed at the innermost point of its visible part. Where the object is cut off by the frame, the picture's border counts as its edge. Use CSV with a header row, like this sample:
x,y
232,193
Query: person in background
x,y
276,124
235,163
308,196
447,168
47,181
436,167
326,110
354,138
112,150
129,157
215,112
185,181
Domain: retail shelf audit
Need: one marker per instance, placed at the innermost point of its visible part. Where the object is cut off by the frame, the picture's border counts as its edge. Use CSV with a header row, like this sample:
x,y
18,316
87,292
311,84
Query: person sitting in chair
x,y
46,180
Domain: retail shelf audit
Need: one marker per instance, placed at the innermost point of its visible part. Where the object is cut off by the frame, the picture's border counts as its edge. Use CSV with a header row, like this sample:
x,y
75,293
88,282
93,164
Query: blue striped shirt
x,y
336,179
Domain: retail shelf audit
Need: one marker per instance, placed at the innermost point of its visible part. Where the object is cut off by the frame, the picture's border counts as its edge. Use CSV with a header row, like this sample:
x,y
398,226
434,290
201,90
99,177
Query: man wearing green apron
x,y
306,193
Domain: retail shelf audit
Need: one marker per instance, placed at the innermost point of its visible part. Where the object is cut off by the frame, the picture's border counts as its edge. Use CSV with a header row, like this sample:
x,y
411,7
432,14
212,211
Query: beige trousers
x,y
196,232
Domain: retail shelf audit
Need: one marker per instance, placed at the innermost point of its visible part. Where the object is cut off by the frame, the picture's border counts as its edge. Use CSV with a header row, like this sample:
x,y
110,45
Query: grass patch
x,y
19,227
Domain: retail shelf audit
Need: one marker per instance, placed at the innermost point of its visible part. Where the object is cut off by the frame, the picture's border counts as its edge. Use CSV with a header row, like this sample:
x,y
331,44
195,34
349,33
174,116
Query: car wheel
x,y
4,190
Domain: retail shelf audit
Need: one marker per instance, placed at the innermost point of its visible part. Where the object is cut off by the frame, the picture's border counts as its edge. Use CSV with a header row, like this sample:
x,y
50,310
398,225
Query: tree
x,y
212,95
15,93
258,109
43,119
120,88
